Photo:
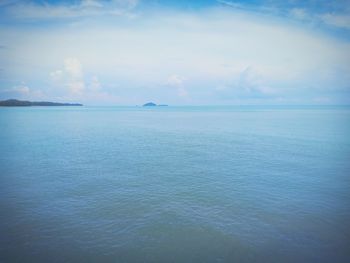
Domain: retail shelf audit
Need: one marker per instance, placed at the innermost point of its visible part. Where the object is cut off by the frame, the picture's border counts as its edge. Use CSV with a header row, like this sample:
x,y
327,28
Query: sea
x,y
175,184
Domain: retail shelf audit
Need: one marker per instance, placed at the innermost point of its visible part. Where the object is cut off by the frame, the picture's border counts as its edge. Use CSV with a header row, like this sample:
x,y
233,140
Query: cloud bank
x,y
222,54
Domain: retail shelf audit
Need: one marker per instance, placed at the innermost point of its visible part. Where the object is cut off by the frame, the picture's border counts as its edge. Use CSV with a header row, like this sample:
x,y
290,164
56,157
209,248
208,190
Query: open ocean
x,y
175,184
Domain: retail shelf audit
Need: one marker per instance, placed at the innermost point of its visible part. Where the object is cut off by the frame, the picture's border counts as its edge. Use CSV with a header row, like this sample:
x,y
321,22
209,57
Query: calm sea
x,y
175,184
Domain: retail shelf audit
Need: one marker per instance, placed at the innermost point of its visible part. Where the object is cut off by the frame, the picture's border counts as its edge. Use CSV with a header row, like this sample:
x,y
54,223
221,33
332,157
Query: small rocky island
x,y
18,103
151,104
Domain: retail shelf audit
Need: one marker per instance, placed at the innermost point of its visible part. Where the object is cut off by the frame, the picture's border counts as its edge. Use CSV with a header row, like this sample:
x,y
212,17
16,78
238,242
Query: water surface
x,y
174,184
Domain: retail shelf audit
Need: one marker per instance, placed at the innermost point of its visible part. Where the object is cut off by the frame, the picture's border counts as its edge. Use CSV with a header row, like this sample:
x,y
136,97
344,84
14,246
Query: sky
x,y
204,52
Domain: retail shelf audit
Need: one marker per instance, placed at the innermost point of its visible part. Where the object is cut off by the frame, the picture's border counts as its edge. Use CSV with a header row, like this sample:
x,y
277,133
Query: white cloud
x,y
175,80
72,84
178,82
342,21
182,92
307,13
249,83
84,8
229,3
76,86
211,48
71,76
95,84
299,13
21,89
56,75
73,67
91,3
129,4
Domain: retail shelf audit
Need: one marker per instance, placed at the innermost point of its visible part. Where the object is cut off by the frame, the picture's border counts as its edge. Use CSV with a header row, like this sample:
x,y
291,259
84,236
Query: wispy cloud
x,y
73,67
335,14
85,8
249,83
214,55
4,3
21,91
177,82
72,82
71,76
342,21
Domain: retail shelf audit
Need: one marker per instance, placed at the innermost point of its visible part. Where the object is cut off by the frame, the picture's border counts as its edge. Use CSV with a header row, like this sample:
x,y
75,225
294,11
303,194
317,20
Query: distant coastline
x,y
152,104
25,103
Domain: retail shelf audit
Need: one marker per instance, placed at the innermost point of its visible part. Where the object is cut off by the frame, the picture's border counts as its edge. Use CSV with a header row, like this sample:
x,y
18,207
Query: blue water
x,y
175,184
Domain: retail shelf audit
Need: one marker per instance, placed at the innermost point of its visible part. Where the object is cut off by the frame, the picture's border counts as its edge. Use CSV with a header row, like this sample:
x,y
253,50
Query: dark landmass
x,y
20,103
151,104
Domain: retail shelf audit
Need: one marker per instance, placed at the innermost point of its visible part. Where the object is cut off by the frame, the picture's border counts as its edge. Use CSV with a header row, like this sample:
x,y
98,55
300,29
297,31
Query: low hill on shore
x,y
14,103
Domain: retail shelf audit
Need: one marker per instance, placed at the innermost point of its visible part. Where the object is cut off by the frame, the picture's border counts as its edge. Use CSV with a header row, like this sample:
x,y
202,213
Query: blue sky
x,y
126,52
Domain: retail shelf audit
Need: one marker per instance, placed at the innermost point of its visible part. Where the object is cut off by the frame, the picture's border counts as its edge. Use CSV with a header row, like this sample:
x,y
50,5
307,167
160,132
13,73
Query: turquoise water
x,y
175,184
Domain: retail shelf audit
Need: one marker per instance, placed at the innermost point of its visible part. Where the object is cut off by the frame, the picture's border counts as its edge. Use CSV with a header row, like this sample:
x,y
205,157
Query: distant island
x,y
151,104
14,103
